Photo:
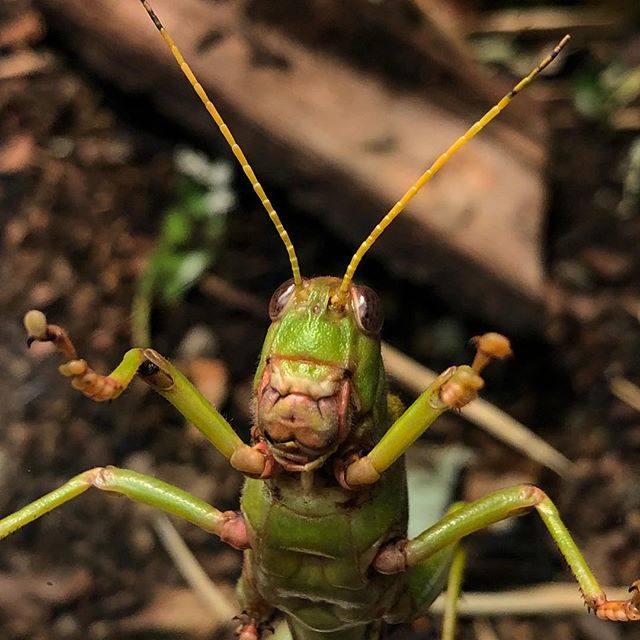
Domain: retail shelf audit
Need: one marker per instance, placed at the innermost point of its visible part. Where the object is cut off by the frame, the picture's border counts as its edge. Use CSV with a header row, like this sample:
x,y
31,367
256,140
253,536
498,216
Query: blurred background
x,y
125,219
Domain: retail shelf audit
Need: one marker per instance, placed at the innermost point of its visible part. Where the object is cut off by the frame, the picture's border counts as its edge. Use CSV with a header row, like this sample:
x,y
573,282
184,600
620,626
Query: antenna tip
x,y
562,44
35,322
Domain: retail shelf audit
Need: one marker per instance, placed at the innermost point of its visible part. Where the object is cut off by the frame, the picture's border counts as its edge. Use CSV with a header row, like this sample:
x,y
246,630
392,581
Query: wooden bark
x,y
355,142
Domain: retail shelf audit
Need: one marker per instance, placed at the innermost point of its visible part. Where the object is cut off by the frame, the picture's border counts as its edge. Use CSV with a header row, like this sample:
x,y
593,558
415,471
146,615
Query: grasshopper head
x,y
320,370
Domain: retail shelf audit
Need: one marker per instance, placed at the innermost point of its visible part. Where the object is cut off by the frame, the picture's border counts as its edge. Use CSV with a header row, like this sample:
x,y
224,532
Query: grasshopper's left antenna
x,y
340,297
228,136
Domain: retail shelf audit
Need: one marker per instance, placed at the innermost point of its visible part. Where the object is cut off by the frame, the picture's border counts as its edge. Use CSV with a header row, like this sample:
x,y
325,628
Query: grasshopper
x,y
323,517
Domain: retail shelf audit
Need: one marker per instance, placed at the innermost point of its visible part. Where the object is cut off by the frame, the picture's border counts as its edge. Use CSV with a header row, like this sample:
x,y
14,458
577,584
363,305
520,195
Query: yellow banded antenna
x,y
228,136
341,296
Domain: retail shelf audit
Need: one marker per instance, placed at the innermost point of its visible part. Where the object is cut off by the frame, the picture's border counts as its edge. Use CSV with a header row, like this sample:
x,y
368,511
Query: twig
x,y
626,119
626,391
484,630
219,288
541,600
547,22
218,602
23,63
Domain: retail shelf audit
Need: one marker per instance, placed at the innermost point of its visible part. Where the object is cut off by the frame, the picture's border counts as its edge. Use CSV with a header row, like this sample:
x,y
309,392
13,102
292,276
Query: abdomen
x,y
311,555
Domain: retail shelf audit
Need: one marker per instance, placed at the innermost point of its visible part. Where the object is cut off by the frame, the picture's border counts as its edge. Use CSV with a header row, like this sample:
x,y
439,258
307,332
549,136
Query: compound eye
x,y
368,310
280,298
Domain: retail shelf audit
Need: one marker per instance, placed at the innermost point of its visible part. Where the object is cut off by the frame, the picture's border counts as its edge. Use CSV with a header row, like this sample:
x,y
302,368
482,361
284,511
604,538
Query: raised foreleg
x,y
452,389
164,378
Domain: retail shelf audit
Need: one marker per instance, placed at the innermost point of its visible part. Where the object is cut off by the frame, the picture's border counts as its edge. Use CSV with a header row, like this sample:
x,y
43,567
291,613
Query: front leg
x,y
452,389
163,377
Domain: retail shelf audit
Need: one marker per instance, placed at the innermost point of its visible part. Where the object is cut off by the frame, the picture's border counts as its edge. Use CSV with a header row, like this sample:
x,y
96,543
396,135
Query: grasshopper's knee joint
x,y
461,388
154,371
234,531
534,496
147,369
361,472
391,558
98,477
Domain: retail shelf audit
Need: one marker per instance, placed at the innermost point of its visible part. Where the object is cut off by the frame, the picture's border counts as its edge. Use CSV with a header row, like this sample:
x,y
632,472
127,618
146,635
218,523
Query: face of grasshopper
x,y
320,370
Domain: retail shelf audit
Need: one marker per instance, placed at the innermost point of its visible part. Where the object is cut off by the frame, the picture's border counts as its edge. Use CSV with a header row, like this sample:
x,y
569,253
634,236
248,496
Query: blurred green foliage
x,y
192,235
601,91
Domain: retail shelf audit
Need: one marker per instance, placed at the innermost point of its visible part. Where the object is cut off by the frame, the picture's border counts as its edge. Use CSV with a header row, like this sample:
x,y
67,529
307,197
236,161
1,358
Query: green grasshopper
x,y
323,518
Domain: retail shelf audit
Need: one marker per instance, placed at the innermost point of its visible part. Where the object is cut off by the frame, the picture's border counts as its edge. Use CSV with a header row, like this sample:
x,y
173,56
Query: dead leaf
x,y
173,609
24,29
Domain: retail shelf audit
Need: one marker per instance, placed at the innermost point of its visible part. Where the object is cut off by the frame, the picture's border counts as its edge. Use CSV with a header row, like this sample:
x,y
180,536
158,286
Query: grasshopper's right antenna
x,y
228,136
340,297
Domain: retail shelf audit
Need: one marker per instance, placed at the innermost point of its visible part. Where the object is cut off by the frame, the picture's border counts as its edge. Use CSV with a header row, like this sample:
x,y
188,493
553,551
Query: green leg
x,y
452,595
428,578
170,383
452,389
493,508
141,488
160,375
429,406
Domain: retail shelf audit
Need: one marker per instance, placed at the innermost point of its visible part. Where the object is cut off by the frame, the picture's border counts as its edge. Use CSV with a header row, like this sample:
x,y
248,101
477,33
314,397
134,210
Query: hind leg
x,y
454,585
256,614
428,579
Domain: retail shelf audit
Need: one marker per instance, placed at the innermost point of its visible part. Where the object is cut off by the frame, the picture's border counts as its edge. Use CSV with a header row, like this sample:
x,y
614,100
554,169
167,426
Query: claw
x,y
490,346
83,378
248,629
465,382
35,322
618,610
247,632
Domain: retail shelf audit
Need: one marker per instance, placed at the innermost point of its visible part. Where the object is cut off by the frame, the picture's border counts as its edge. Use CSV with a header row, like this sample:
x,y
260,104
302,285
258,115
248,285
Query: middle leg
x,y
497,506
229,525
